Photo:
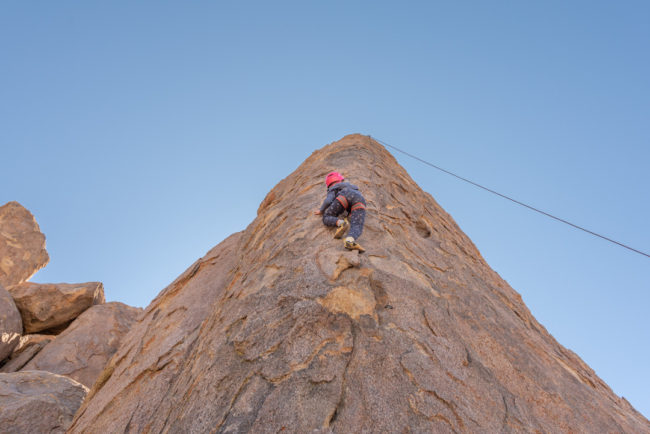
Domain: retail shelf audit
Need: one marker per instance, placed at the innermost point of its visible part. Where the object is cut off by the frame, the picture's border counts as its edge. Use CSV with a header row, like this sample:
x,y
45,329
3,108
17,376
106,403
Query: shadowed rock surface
x,y
82,350
45,306
11,326
28,347
22,245
38,402
279,328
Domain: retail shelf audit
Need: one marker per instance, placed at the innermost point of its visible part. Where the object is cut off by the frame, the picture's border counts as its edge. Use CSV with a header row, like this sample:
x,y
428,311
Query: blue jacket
x,y
342,188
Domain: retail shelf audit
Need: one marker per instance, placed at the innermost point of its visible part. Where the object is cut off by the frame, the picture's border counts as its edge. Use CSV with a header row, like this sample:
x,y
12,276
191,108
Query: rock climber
x,y
343,196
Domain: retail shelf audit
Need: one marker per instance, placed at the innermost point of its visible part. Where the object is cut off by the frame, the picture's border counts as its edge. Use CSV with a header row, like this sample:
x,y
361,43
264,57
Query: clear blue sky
x,y
141,134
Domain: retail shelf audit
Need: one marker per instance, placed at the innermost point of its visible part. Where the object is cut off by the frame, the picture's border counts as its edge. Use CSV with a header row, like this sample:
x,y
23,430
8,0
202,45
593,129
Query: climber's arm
x,y
328,201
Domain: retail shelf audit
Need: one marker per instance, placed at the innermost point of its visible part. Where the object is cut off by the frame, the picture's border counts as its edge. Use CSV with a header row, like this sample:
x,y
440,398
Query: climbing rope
x,y
509,198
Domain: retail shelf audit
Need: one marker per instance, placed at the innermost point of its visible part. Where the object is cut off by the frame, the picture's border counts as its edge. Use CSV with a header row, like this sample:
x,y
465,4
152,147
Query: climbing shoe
x,y
350,244
340,231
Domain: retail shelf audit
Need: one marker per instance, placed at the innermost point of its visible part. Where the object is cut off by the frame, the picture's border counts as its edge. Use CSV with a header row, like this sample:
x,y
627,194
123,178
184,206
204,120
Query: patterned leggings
x,y
356,217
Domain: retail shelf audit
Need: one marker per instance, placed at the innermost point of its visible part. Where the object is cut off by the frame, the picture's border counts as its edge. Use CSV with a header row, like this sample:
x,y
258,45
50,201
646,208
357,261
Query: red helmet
x,y
333,177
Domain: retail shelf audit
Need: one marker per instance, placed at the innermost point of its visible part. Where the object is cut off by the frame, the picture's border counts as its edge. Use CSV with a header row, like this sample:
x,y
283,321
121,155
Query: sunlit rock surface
x,y
45,306
22,245
279,329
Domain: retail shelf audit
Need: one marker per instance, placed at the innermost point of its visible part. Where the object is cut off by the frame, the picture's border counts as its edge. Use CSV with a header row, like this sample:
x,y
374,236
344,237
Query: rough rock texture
x,y
38,402
22,245
11,326
82,350
46,306
279,329
159,343
28,347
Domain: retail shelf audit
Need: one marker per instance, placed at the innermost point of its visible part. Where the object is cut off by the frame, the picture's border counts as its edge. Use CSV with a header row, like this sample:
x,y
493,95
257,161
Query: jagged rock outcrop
x,y
38,402
46,306
280,329
28,347
82,350
22,245
11,326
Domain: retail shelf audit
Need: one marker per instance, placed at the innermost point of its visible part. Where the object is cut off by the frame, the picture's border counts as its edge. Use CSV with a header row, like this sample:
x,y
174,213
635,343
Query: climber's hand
x,y
317,212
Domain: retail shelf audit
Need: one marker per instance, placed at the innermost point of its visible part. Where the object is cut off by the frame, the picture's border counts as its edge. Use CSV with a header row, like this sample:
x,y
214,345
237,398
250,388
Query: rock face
x,y
168,330
22,245
38,402
280,329
27,348
45,306
82,350
11,326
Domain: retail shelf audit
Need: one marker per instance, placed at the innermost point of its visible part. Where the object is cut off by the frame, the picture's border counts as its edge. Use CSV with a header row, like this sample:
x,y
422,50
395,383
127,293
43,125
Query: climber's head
x,y
333,178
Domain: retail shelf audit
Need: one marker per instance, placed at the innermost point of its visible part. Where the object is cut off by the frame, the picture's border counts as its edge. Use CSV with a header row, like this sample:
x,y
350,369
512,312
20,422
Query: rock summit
x,y
279,329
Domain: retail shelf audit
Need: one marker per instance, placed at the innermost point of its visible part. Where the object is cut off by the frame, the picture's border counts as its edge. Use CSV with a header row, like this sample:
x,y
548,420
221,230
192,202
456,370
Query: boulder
x,y
27,348
11,326
38,402
82,350
45,306
22,245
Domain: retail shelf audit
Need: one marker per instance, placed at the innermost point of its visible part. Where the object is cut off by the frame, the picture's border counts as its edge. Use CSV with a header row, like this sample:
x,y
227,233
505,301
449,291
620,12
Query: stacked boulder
x,y
55,339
